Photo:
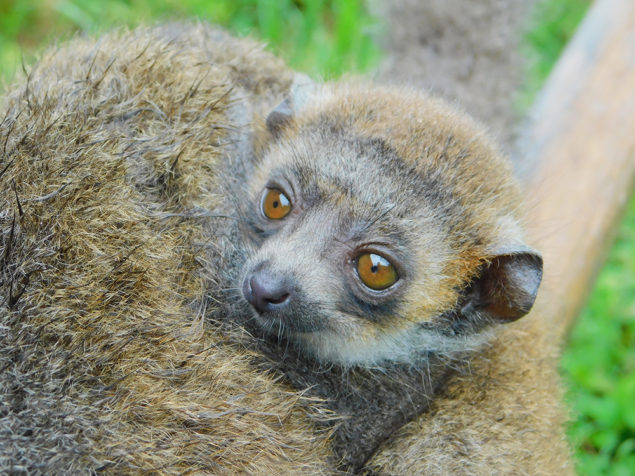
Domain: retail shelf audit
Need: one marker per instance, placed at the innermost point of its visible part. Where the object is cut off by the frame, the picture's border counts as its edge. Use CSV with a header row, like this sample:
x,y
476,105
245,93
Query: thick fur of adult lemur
x,y
212,264
109,156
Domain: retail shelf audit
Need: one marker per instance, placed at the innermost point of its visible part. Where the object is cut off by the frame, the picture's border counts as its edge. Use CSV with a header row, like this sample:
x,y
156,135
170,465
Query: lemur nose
x,y
267,291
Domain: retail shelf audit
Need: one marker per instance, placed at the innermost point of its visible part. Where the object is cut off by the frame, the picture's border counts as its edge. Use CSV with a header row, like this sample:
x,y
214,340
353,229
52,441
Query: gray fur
x,y
466,51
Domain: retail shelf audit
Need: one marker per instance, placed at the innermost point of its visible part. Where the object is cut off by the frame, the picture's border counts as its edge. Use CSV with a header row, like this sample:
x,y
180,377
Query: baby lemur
x,y
382,244
167,189
383,226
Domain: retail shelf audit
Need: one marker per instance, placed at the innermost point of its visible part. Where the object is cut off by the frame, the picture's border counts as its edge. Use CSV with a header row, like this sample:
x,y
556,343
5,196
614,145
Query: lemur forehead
x,y
347,158
366,171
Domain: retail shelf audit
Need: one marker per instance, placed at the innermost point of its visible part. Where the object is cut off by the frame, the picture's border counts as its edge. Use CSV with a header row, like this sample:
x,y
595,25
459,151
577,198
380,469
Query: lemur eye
x,y
376,272
275,204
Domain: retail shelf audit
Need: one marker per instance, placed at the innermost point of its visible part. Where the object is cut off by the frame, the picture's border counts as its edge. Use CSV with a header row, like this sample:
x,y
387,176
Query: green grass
x,y
599,365
329,37
321,37
553,23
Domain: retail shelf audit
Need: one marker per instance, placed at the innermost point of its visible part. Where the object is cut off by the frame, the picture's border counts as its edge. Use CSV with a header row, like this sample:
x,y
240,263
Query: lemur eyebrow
x,y
379,217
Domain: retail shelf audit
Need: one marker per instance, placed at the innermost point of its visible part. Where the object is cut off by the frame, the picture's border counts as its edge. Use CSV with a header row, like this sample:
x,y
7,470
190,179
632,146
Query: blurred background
x,y
327,38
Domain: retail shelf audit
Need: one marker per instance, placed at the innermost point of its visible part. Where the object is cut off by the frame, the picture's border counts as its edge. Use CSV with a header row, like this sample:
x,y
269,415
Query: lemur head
x,y
383,226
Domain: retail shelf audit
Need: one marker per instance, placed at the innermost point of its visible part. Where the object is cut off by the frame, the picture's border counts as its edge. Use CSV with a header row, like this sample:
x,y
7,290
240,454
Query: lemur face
x,y
362,256
332,237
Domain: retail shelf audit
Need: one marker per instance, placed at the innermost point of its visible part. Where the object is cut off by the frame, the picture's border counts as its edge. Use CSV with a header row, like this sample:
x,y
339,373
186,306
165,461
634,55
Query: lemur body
x,y
137,248
110,151
397,177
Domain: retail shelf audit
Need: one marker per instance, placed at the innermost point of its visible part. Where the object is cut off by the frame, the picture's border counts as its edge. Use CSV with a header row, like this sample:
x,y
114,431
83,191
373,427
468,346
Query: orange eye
x,y
275,204
376,272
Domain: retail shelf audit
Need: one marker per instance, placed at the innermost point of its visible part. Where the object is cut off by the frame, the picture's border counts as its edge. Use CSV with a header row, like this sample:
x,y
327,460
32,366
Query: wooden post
x,y
581,157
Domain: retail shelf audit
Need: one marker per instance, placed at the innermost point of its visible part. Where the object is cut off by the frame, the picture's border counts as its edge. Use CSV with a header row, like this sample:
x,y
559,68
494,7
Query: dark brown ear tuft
x,y
508,285
300,94
279,117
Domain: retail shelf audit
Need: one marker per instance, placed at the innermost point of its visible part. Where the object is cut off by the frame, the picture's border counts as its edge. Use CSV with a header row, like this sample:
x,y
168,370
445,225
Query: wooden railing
x,y
580,157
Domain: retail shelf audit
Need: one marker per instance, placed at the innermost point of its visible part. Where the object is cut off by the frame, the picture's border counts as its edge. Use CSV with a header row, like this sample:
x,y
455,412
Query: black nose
x,y
267,291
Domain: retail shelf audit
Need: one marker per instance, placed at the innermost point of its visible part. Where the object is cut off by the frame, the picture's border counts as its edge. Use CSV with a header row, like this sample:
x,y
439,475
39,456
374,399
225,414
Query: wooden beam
x,y
581,157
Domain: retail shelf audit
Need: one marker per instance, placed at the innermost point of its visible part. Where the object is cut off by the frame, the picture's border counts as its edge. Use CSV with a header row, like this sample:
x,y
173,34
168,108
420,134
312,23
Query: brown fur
x,y
502,417
110,168
107,361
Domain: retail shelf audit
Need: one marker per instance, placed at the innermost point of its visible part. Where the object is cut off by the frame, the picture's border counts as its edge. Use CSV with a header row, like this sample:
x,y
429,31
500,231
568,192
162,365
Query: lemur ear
x,y
300,94
507,286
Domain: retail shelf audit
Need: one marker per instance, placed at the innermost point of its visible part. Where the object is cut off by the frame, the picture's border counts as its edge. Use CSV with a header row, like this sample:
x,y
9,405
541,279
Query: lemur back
x,y
109,152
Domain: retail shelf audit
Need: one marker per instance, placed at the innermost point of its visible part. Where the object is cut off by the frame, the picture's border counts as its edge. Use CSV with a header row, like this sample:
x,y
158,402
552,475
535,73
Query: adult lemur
x,y
212,264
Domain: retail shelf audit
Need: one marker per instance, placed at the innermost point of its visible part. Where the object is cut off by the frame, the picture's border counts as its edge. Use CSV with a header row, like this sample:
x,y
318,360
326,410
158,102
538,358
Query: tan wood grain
x,y
581,151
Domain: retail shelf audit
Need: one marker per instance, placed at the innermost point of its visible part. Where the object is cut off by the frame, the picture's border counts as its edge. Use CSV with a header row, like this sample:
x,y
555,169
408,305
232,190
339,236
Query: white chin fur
x,y
373,351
